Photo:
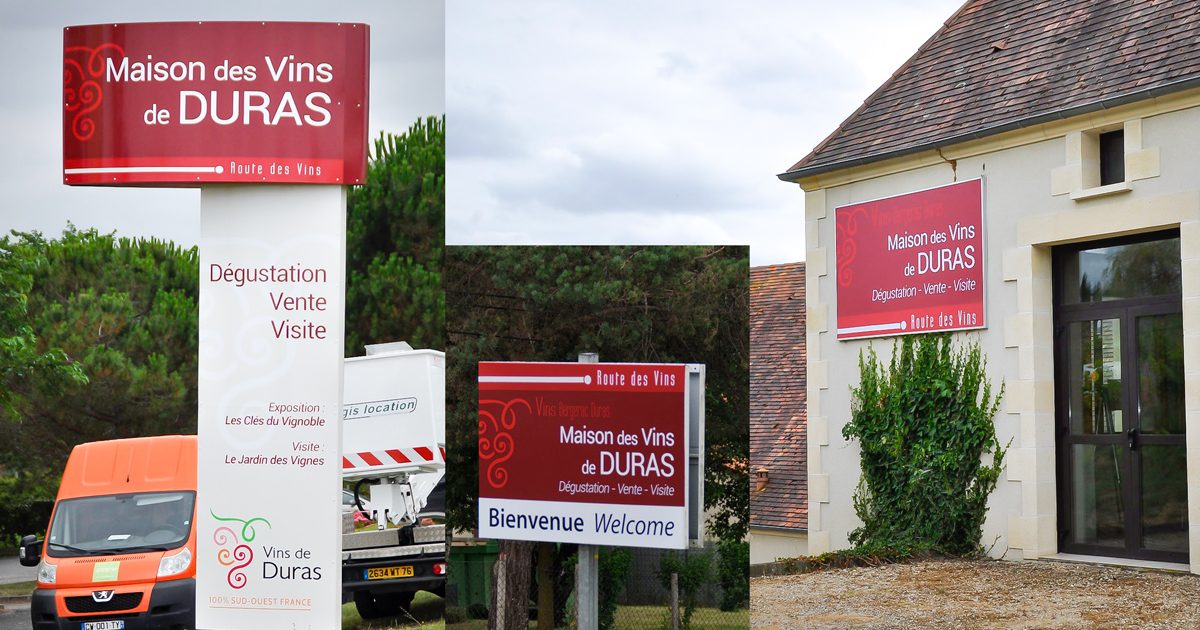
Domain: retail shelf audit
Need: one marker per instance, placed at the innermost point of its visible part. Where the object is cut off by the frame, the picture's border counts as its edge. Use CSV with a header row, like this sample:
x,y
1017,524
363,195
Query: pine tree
x,y
394,242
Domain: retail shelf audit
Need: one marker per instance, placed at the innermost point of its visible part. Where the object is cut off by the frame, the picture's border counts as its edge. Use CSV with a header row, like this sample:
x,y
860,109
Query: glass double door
x,y
1120,400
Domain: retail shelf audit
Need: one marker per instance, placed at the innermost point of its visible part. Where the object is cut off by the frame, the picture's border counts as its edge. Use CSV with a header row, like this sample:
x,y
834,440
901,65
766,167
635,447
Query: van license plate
x,y
119,624
387,573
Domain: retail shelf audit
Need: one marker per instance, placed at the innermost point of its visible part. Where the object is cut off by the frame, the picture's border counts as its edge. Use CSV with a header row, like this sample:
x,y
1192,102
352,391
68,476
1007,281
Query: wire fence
x,y
634,587
645,599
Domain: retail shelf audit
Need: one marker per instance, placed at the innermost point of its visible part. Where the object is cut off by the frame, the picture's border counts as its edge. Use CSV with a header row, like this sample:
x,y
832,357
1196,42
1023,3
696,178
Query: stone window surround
x,y
1030,332
1079,176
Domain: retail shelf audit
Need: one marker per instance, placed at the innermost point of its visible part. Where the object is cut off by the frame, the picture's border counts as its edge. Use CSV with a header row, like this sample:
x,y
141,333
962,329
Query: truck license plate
x,y
387,573
119,624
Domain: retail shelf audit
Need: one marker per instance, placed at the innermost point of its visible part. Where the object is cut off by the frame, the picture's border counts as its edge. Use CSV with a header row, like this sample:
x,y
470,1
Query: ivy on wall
x,y
924,423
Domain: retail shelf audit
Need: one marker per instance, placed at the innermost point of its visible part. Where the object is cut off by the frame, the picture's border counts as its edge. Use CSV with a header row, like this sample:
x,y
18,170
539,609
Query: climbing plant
x,y
930,456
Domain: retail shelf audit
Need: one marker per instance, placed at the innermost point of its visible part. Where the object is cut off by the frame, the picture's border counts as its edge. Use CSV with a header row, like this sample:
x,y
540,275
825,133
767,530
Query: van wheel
x,y
372,606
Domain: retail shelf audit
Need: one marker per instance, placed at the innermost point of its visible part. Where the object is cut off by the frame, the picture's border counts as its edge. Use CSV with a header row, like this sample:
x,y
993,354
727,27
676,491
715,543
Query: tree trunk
x,y
545,586
510,586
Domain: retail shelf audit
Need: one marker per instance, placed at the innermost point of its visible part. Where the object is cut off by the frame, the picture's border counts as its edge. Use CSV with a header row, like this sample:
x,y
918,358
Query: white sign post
x,y
269,119
272,293
587,567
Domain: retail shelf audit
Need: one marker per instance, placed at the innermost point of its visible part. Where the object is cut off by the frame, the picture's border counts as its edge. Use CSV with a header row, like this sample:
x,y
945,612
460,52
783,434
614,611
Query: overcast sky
x,y
568,122
655,122
407,82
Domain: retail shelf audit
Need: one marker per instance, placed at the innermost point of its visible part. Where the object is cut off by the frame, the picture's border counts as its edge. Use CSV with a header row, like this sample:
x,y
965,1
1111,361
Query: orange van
x,y
118,554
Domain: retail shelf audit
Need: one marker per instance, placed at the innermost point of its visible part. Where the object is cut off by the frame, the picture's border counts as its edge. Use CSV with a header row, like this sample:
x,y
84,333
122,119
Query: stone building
x,y
1080,121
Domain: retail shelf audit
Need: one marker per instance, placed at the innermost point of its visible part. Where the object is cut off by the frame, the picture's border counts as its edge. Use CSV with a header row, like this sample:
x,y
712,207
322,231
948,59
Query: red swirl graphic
x,y
847,245
82,94
245,555
498,447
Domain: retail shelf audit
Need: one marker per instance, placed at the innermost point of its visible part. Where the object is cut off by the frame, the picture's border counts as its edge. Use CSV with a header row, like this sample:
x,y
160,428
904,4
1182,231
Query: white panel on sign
x,y
272,292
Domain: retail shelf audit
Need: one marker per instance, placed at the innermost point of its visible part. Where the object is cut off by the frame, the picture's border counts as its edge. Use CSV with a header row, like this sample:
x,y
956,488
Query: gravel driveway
x,y
977,594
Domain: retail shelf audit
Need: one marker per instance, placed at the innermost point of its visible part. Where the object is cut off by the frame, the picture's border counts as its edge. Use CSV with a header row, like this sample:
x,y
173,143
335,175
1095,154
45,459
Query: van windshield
x,y
121,523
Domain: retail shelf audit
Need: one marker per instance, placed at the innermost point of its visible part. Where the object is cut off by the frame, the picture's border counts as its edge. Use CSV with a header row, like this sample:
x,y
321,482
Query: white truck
x,y
393,452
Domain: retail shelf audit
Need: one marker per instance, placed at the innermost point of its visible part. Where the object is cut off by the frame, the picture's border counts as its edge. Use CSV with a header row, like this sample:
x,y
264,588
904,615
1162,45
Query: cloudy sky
x,y
655,122
407,74
568,122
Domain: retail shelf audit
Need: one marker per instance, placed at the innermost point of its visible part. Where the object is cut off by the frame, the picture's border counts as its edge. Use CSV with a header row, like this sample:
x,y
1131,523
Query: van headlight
x,y
175,564
47,573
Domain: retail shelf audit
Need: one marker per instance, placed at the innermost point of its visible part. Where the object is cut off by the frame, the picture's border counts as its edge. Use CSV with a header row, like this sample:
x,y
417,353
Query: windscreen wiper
x,y
79,550
138,548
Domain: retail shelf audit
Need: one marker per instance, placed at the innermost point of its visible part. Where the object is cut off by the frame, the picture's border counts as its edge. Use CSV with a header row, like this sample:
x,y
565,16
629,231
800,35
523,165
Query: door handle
x,y
1132,434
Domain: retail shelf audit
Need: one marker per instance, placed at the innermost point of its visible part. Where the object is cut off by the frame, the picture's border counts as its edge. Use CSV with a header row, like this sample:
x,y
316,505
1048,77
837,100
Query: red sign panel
x,y
583,452
911,263
189,103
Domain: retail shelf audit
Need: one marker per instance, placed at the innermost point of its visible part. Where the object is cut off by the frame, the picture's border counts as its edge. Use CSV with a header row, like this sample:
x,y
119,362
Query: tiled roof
x,y
778,420
997,65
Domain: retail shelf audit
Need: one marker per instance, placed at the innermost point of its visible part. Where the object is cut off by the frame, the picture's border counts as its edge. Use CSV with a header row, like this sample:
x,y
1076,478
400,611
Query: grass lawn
x,y
653,617
426,614
18,588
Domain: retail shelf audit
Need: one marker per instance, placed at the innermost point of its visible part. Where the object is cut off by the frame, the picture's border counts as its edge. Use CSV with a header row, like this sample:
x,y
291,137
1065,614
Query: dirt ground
x,y
977,594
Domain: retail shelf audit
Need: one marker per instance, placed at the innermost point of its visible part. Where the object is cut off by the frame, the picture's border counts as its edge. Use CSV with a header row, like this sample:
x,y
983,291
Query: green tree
x,y
632,304
24,362
394,242
22,358
124,311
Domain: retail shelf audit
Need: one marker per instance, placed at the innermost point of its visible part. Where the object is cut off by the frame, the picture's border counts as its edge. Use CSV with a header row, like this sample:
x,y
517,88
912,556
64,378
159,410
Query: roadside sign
x,y
189,103
280,103
585,453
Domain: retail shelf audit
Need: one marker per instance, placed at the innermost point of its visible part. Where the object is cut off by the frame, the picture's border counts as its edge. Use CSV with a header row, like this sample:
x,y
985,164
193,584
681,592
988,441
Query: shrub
x,y
455,614
614,568
695,570
477,611
924,423
734,573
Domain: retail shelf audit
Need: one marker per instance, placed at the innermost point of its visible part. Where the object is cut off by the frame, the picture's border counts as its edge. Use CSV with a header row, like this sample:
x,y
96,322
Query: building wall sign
x,y
589,453
912,263
188,103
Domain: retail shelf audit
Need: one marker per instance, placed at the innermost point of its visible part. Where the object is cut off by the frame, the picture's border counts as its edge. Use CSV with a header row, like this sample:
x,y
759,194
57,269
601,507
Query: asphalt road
x,y
12,571
15,616
14,619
